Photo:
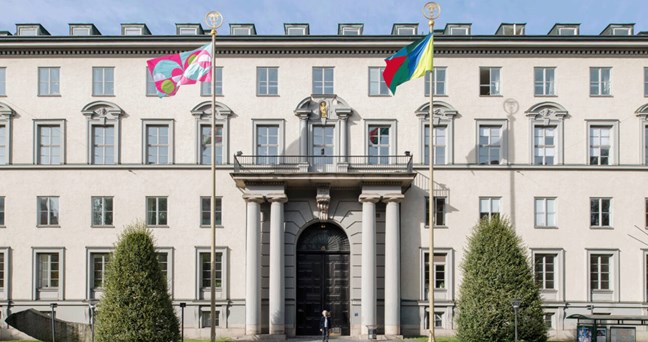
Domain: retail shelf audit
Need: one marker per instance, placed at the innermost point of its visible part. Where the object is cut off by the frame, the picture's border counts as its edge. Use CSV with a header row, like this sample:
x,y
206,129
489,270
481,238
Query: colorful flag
x,y
172,71
408,63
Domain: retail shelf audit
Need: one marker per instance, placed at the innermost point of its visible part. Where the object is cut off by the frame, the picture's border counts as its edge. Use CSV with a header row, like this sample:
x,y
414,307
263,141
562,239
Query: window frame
x,y
494,87
104,83
443,213
169,251
545,201
222,291
383,90
503,146
93,144
49,83
158,212
613,155
612,293
48,224
440,293
3,212
558,292
219,204
38,124
219,146
596,88
393,142
55,293
5,139
3,81
205,87
205,316
5,268
151,88
170,141
544,82
268,86
490,213
92,291
435,74
256,123
103,223
645,81
600,213
325,83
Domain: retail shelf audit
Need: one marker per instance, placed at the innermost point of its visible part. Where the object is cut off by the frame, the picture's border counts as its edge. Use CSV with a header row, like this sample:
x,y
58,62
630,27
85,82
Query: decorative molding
x,y
323,200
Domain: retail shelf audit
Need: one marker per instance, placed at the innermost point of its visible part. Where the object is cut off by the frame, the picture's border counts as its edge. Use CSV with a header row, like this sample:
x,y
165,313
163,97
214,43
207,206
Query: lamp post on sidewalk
x,y
516,306
53,306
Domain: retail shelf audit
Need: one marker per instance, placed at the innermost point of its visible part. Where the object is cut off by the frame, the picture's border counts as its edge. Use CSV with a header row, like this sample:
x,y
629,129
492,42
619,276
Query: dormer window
x,y
458,31
187,31
132,31
242,29
567,31
510,30
27,31
80,31
31,30
618,30
621,31
350,29
296,29
406,31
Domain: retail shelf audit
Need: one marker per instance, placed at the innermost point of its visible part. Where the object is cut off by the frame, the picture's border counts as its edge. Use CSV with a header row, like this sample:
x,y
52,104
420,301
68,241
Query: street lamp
x,y
92,306
516,306
182,307
53,306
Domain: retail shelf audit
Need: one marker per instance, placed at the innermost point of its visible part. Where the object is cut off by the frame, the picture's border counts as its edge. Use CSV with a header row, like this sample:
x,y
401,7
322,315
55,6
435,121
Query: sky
x,y
378,16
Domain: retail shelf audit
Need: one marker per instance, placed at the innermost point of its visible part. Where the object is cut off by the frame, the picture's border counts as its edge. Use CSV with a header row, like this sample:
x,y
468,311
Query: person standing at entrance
x,y
325,325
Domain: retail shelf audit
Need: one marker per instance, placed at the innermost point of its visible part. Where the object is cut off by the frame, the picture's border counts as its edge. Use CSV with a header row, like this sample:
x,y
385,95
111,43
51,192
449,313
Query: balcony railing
x,y
322,164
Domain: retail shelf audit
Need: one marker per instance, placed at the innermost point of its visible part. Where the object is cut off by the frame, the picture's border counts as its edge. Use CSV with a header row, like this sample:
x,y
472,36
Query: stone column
x,y
343,115
368,289
277,264
303,134
392,264
253,269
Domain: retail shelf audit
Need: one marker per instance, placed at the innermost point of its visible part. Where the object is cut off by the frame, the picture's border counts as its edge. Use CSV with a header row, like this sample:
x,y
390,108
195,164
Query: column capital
x,y
257,198
277,197
372,198
397,198
303,113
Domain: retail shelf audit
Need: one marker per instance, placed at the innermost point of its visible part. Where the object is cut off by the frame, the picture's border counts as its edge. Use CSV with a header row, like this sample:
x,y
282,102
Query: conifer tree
x,y
496,270
136,306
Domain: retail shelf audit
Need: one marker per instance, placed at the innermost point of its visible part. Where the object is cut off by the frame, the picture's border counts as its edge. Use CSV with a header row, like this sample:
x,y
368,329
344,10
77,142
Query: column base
x,y
251,330
392,330
277,329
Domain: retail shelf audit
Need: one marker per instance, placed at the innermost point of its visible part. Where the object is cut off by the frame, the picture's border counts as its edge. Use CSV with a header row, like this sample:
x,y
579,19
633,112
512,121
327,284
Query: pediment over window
x,y
5,111
323,107
642,112
204,110
99,110
547,111
442,111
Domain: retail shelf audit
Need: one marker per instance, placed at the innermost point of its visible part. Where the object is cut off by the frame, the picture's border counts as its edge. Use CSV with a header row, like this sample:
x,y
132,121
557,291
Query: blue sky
x,y
322,15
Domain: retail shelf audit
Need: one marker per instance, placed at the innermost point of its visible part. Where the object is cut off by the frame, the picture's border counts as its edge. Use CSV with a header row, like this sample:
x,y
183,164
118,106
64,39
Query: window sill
x,y
47,226
495,95
603,96
545,227
156,226
109,95
539,95
268,95
427,226
102,227
436,95
602,227
207,226
209,95
379,95
46,95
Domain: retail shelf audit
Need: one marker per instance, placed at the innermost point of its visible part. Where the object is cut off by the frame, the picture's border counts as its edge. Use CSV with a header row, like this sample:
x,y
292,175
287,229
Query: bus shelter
x,y
607,328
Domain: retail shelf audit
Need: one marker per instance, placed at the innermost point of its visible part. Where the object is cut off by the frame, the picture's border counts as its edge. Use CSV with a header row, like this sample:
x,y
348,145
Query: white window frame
x,y
47,224
459,31
3,218
103,83
219,146
644,138
436,74
426,220
188,31
600,84
204,316
219,202
80,31
202,113
55,294
53,86
548,86
543,146
600,213
3,81
93,292
503,124
446,146
37,129
645,81
557,294
271,90
447,292
267,122
27,31
170,266
5,141
621,31
545,201
494,86
103,212
94,145
607,295
6,269
157,224
171,127
613,125
241,31
151,88
489,211
393,139
379,84
405,31
325,83
222,291
567,31
205,87
295,31
132,31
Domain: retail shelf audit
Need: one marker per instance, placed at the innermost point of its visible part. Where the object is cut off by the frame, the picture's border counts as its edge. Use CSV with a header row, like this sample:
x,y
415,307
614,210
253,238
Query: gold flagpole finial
x,y
214,20
431,10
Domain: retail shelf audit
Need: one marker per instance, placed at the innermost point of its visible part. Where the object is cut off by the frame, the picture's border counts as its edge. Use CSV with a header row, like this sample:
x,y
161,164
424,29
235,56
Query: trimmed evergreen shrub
x,y
496,270
136,306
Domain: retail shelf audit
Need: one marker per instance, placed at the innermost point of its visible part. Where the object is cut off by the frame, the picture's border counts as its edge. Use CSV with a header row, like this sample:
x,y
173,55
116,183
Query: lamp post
x,y
182,307
516,306
92,305
53,306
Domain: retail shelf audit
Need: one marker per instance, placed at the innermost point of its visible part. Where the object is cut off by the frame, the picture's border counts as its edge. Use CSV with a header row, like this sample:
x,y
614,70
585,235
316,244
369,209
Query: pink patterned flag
x,y
172,71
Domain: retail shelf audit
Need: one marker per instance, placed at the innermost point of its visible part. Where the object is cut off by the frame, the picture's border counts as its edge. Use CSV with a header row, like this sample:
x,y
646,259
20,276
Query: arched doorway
x,y
323,278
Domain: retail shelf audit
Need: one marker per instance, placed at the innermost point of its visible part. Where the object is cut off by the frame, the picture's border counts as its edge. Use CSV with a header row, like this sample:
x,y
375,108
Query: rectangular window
x,y
48,211
3,145
157,144
646,211
323,80
377,85
99,266
2,271
103,81
49,144
48,271
645,81
600,271
205,144
489,207
163,261
3,81
489,81
156,211
544,81
267,144
2,210
267,81
439,267
379,144
438,319
600,145
103,144
205,87
645,145
323,144
205,206
544,145
151,89
48,81
545,270
102,211
600,212
439,211
205,319
205,270
545,212
440,145
548,319
439,81
600,84
490,145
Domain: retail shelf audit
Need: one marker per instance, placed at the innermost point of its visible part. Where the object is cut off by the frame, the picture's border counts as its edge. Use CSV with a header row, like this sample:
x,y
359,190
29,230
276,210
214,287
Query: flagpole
x,y
431,11
214,20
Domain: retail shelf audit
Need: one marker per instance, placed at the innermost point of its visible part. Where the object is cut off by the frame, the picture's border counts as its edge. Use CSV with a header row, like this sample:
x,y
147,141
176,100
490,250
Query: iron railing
x,y
323,164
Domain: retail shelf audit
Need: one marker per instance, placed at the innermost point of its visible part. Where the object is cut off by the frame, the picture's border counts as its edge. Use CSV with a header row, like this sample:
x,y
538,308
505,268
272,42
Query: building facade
x,y
322,173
